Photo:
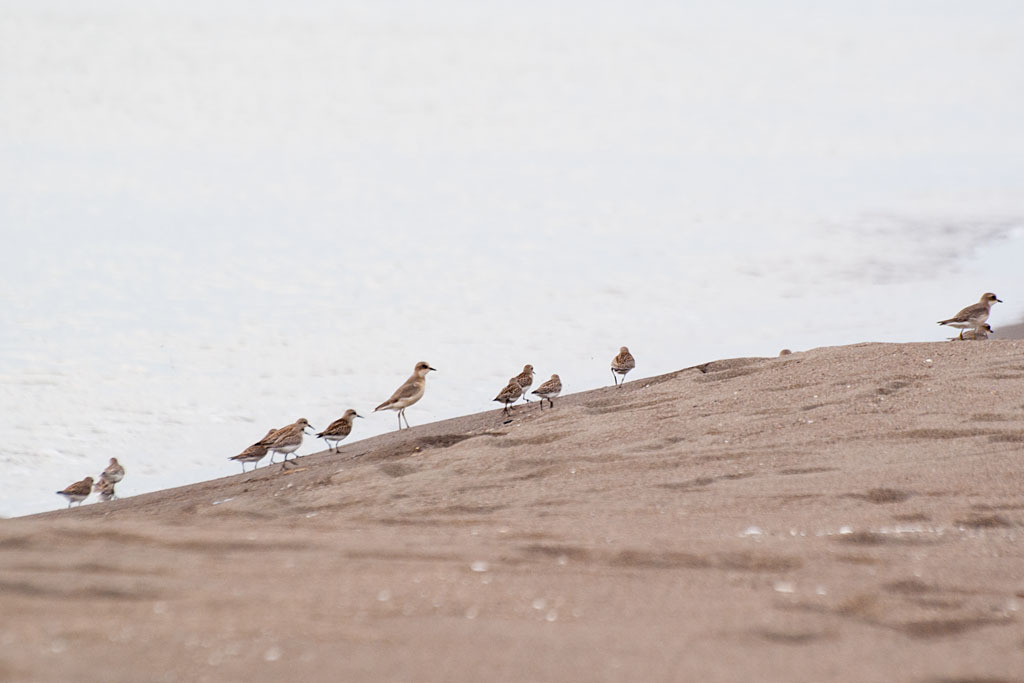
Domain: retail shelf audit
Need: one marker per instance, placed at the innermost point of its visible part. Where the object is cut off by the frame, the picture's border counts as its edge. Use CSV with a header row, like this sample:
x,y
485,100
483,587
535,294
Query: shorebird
x,y
410,392
105,488
979,333
78,491
974,315
253,453
286,439
549,390
510,394
339,429
114,472
525,379
622,364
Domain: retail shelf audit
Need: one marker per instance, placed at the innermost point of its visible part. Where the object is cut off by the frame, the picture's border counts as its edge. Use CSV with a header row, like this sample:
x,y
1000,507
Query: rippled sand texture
x,y
850,513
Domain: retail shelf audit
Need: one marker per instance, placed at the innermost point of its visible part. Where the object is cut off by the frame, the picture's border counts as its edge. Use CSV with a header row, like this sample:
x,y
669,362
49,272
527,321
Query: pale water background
x,y
218,217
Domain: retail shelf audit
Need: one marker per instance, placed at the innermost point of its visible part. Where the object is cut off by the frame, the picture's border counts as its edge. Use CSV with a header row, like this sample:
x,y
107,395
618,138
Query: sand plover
x,y
525,379
105,488
407,394
622,364
253,453
510,394
974,315
286,439
975,334
549,390
339,429
77,492
114,472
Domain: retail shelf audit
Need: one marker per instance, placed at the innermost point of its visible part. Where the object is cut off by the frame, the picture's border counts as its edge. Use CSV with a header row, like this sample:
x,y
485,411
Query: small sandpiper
x,y
410,392
974,315
114,472
622,364
549,390
253,453
286,439
976,334
77,492
525,379
339,429
510,394
105,488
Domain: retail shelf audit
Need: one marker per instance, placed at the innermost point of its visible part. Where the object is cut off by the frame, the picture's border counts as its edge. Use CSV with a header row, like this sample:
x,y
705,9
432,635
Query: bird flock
x,y
971,321
103,485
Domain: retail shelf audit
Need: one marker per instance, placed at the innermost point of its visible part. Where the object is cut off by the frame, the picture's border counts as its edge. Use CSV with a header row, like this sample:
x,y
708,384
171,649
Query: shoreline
x,y
844,513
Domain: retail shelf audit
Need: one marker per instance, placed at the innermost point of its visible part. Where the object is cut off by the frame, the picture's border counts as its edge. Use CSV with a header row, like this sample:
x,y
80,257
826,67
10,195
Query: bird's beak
x,y
434,369
358,415
999,300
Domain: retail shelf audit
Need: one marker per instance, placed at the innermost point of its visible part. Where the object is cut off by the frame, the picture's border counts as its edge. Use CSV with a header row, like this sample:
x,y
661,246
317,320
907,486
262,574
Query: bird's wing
x,y
624,360
340,427
966,314
550,385
78,488
273,437
407,390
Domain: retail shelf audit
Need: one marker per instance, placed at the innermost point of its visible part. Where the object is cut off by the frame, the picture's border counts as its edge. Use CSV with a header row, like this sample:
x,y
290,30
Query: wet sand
x,y
844,514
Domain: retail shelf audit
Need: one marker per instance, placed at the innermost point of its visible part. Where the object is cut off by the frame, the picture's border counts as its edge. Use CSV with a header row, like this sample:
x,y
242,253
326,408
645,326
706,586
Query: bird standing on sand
x,y
105,488
549,390
510,394
286,439
622,364
253,453
114,472
976,334
525,379
974,315
408,393
77,492
339,429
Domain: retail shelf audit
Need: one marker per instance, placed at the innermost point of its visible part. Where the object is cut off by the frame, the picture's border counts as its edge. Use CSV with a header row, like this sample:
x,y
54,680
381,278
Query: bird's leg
x,y
615,379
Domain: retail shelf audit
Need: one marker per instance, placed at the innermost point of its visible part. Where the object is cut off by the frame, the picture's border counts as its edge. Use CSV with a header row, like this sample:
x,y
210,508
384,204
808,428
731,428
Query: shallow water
x,y
220,218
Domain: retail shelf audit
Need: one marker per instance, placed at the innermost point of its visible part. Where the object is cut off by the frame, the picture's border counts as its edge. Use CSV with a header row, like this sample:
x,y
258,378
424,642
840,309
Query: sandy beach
x,y
843,514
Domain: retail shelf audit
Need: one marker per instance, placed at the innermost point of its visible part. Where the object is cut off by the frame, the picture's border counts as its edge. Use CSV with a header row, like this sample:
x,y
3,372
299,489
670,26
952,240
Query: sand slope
x,y
852,513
